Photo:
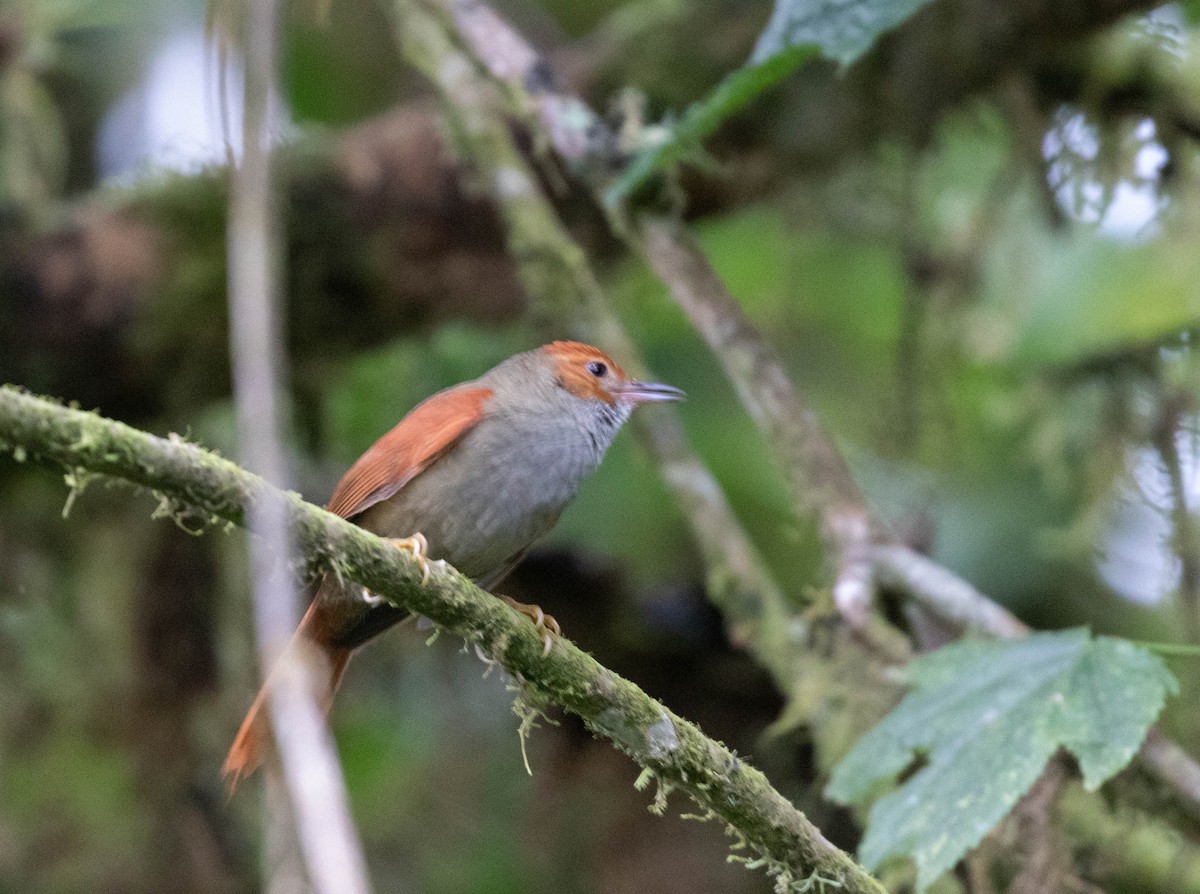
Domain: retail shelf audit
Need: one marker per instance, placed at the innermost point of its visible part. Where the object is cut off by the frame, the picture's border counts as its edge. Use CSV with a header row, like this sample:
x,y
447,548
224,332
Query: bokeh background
x,y
978,257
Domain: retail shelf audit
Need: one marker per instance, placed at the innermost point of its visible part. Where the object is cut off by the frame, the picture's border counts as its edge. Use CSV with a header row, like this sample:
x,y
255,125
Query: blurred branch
x,y
311,772
1174,768
1186,537
1047,856
820,481
943,592
192,483
566,297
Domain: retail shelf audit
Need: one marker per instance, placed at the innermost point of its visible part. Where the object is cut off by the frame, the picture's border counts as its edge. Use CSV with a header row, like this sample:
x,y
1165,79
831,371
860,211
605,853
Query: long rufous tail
x,y
254,735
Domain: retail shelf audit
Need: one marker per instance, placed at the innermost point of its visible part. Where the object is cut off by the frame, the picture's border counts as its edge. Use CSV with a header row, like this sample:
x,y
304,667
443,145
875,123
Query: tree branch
x,y
192,481
943,592
820,481
566,298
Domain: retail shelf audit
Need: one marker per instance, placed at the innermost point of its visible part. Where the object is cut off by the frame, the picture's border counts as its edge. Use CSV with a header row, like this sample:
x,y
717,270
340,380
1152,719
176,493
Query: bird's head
x,y
590,374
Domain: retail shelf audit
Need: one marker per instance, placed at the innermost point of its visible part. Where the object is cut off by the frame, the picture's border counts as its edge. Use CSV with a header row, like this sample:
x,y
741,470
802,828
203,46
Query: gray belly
x,y
490,498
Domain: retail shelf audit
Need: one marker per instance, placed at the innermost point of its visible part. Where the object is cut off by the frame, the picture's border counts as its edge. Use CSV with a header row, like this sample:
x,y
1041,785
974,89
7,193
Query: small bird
x,y
473,475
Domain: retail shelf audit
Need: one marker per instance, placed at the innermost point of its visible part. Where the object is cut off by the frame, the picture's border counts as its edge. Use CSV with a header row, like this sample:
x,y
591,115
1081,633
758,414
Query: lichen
x,y
530,706
661,738
77,480
177,511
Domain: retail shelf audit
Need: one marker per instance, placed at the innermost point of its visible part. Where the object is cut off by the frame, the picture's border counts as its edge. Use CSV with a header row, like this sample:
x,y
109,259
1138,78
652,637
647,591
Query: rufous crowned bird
x,y
473,475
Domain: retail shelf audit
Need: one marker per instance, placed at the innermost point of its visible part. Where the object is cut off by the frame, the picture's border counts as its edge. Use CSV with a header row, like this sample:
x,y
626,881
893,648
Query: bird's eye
x,y
597,369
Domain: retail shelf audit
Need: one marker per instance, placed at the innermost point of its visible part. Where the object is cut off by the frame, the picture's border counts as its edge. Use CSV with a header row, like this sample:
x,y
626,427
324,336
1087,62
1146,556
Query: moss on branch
x,y
675,750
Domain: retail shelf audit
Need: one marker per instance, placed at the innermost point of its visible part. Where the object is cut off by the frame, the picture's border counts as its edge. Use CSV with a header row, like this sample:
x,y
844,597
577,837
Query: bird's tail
x,y
254,735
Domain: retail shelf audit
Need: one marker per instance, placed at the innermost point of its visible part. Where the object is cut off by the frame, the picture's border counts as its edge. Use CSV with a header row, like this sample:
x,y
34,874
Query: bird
x,y
473,476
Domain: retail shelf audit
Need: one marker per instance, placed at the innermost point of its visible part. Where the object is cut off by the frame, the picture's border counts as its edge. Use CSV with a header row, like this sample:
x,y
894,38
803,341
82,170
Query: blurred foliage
x,y
62,63
996,323
340,64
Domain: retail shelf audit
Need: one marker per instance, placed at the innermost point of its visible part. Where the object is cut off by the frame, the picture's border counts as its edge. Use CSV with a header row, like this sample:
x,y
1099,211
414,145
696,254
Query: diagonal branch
x,y
566,296
820,481
193,481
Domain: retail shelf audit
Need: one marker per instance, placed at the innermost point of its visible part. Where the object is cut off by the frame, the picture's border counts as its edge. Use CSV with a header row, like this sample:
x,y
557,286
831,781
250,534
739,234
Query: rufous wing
x,y
432,428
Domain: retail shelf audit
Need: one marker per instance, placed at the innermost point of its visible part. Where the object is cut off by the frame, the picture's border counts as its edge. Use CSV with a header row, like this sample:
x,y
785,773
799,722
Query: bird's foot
x,y
419,547
546,626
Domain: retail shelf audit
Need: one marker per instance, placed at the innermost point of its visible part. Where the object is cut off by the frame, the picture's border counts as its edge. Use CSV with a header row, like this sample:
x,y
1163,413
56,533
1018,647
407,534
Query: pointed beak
x,y
645,392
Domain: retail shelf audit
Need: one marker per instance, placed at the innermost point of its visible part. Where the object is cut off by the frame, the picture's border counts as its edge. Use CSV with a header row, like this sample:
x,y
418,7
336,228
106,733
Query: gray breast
x,y
501,488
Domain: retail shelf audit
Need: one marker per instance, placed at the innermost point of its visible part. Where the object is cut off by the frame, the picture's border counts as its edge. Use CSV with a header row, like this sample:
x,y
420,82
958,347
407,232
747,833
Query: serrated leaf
x,y
843,29
986,717
703,118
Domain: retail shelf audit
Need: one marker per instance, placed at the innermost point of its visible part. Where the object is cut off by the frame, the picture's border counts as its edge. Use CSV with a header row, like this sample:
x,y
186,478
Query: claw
x,y
371,599
419,547
545,624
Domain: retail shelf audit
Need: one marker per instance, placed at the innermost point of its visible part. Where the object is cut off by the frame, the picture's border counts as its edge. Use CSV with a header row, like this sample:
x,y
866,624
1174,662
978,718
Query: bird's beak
x,y
644,392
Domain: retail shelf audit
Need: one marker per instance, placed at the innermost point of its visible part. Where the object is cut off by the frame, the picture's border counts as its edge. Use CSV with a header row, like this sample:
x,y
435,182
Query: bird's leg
x,y
419,547
545,624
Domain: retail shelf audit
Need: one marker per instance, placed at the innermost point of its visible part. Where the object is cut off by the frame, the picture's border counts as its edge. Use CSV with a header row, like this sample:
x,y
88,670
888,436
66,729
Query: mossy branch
x,y
673,749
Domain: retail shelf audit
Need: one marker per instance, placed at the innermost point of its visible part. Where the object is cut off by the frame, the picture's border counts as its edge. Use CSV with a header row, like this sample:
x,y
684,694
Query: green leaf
x,y
843,29
986,717
703,118
798,30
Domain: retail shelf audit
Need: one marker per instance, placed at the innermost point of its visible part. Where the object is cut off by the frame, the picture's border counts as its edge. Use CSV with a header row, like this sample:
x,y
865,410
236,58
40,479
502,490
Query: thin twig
x,y
1186,537
312,776
820,480
675,750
